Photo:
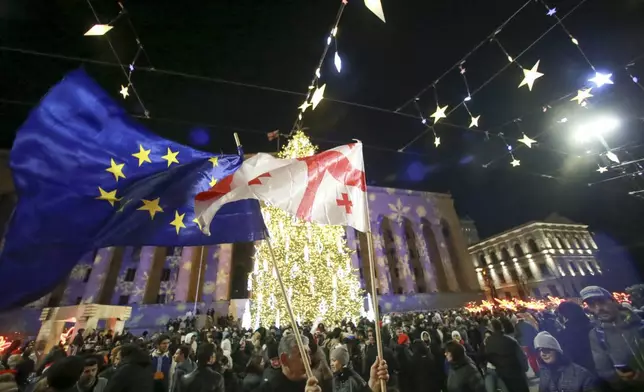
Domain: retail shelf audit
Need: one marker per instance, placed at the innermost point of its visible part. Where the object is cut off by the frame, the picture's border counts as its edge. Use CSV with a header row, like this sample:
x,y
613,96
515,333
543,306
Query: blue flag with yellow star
x,y
88,177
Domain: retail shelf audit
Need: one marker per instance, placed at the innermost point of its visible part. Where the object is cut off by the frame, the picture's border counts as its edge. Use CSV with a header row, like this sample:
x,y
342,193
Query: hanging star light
x,y
515,162
602,169
552,11
337,61
530,75
318,95
439,113
582,95
437,141
475,121
304,106
611,155
527,141
124,91
376,7
601,79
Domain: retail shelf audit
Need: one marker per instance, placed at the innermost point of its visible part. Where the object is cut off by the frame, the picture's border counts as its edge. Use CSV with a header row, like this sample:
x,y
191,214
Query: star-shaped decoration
x,y
601,79
196,221
152,206
304,106
582,95
530,75
515,162
552,11
109,197
439,113
214,161
213,182
437,141
171,157
602,169
318,95
178,221
116,169
124,91
143,155
527,141
474,121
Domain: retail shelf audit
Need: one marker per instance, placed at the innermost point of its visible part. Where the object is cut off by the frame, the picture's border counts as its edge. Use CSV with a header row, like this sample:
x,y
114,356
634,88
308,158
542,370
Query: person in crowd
x,y
426,378
345,379
134,372
319,362
574,337
525,334
231,382
507,357
203,378
405,363
616,341
115,358
559,373
254,370
89,380
371,353
274,367
492,381
161,363
64,373
463,376
182,365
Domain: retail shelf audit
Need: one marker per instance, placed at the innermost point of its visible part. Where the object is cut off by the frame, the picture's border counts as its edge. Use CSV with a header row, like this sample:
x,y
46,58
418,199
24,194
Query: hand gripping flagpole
x,y
296,331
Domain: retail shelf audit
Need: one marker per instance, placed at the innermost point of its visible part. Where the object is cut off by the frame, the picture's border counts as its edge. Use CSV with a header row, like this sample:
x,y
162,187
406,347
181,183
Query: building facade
x,y
553,257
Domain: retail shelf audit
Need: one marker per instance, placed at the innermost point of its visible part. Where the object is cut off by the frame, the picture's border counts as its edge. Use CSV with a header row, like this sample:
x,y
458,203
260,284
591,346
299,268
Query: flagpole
x,y
194,310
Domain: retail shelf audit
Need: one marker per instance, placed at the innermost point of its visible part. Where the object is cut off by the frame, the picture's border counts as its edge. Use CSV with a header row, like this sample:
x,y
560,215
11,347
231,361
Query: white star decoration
x,y
530,75
304,106
439,113
527,141
515,162
318,96
475,121
601,79
602,169
124,91
437,141
582,95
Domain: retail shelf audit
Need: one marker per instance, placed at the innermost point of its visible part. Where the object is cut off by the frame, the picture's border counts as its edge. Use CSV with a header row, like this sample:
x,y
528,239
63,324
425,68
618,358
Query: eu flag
x,y
88,176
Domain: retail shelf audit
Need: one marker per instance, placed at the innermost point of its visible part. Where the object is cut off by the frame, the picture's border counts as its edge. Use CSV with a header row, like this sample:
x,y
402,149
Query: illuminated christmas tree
x,y
314,262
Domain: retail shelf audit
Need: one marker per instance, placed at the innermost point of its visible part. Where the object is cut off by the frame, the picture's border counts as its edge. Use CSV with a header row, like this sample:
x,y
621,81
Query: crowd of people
x,y
597,347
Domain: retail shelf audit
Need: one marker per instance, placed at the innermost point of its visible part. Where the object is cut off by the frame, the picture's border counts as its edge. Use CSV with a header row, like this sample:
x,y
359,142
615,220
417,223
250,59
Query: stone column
x,y
50,331
188,256
225,255
100,268
382,268
402,251
445,258
142,274
115,325
429,273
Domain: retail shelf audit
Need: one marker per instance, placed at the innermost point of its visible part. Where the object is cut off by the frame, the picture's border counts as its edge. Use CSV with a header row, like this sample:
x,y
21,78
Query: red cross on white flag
x,y
327,188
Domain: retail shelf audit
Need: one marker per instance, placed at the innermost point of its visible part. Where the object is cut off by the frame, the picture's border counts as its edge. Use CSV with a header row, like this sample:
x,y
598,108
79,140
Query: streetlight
x,y
595,129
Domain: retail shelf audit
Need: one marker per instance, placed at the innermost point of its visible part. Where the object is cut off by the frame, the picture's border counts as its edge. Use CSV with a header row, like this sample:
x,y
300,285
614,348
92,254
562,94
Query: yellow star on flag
x,y
143,155
530,75
116,169
197,222
582,95
439,113
178,221
109,197
213,181
214,161
171,157
151,206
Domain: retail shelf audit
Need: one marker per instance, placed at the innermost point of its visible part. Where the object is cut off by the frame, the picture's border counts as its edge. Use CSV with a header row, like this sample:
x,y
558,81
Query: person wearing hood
x,y
345,379
573,338
134,372
558,373
507,357
274,366
462,376
182,365
616,341
426,338
427,377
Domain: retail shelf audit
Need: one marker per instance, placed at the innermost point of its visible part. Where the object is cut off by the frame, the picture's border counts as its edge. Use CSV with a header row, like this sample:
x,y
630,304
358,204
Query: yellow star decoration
x,y
318,95
475,121
171,157
178,221
439,113
530,75
215,161
123,205
213,181
109,197
151,206
582,95
143,155
116,169
197,222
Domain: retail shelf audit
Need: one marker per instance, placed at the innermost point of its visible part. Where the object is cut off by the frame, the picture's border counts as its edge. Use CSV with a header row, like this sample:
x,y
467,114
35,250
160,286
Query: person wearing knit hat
x,y
403,338
344,377
558,372
339,358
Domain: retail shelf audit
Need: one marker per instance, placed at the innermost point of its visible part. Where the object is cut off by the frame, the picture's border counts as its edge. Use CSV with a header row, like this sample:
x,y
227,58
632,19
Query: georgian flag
x,y
326,188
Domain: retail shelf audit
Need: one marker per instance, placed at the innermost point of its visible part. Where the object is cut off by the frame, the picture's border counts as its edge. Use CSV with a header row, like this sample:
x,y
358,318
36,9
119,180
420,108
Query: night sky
x,y
276,45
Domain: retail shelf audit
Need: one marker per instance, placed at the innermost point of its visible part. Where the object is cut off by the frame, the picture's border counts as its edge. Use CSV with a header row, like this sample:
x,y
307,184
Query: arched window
x,y
505,255
494,258
434,256
532,245
518,251
482,261
575,242
415,264
392,262
559,241
584,243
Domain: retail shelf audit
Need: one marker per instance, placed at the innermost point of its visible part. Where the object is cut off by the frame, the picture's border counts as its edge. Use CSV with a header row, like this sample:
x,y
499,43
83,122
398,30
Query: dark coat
x,y
510,361
576,344
566,376
279,383
185,367
134,374
427,376
463,376
251,381
203,379
349,381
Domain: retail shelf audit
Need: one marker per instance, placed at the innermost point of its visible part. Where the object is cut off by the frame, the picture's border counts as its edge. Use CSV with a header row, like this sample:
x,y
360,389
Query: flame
x,y
622,297
4,343
534,304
